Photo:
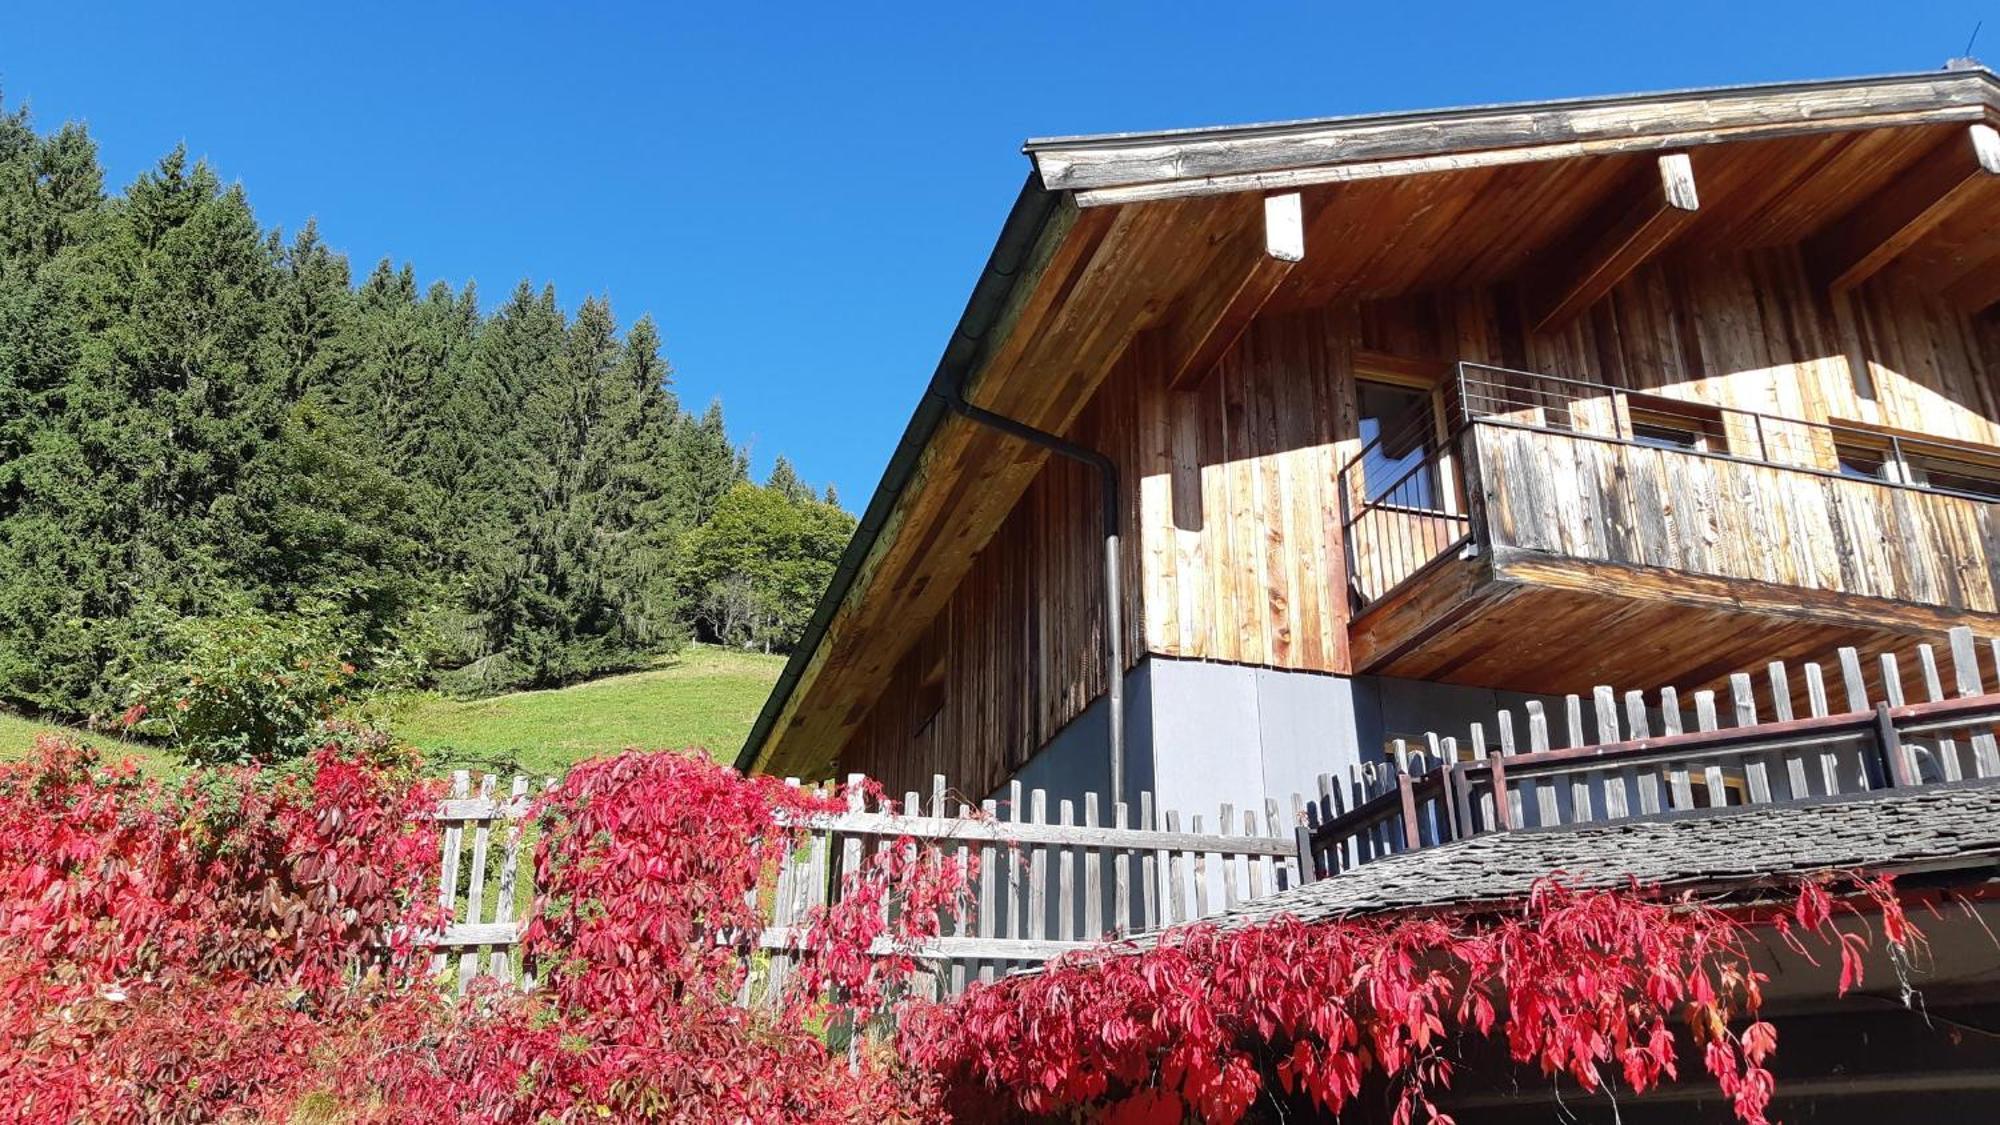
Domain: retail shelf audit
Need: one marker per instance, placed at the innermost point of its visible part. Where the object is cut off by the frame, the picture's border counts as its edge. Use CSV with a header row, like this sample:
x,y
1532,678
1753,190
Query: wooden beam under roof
x,y
1858,245
1977,291
1210,320
1633,226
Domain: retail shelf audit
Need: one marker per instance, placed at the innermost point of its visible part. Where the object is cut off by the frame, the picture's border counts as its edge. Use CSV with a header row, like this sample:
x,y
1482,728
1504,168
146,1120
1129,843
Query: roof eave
x,y
991,294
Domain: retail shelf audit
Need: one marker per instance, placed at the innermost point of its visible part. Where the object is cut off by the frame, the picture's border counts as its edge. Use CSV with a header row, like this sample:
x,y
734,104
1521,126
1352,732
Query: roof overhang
x,y
1148,167
1081,266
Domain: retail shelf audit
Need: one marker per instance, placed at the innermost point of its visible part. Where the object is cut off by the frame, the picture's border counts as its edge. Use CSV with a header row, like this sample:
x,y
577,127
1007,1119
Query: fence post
x,y
1309,869
1503,817
1889,745
1407,791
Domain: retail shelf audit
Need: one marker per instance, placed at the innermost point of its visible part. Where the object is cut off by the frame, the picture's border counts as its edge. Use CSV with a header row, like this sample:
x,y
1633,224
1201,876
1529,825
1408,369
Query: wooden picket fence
x,y
482,897
1045,885
1051,880
1789,742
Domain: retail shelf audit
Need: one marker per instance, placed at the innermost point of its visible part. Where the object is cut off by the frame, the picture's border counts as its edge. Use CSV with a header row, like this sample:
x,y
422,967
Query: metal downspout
x,y
1114,629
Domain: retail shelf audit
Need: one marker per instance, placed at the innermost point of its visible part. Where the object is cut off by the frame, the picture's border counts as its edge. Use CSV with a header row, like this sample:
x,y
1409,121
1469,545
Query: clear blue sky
x,y
802,195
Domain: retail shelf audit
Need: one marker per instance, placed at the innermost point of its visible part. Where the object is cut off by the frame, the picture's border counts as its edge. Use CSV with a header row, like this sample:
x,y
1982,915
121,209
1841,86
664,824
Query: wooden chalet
x,y
1410,416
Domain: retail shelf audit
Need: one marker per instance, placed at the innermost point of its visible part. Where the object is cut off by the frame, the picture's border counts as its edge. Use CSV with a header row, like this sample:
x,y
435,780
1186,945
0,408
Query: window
x,y
1665,437
1884,455
1397,438
1861,462
1667,423
1967,478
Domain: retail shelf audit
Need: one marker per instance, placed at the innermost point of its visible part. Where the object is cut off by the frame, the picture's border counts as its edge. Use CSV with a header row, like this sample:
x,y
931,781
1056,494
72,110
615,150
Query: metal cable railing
x,y
1403,497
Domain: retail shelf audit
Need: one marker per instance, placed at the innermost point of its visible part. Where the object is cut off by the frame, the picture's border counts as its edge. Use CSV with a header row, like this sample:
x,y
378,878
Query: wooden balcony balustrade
x,y
1647,760
1689,540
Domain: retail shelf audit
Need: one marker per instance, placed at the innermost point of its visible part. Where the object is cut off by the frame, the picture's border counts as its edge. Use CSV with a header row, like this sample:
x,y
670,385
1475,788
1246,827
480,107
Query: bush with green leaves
x,y
252,686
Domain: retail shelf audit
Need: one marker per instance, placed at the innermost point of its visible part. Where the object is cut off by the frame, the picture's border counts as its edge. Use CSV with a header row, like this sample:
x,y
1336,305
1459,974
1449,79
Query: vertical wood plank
x,y
1227,861
1176,903
510,864
1781,706
1756,772
1066,876
1015,890
1093,877
475,887
1121,874
1678,789
454,837
1200,862
1521,791
987,923
1038,869
1152,868
1711,773
1965,672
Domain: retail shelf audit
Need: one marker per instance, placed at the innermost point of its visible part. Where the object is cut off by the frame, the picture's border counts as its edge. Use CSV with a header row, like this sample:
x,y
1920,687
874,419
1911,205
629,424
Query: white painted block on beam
x,y
1284,227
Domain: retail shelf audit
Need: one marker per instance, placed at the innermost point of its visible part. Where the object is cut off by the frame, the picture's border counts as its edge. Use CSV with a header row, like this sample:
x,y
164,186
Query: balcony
x,y
1550,535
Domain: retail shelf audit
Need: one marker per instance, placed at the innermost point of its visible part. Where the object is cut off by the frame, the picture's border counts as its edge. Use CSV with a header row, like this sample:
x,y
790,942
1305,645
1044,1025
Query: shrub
x,y
176,953
1209,1021
248,686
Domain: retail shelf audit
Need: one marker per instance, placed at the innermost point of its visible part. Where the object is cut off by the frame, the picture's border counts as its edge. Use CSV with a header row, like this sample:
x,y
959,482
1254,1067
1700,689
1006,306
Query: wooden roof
x,y
1116,235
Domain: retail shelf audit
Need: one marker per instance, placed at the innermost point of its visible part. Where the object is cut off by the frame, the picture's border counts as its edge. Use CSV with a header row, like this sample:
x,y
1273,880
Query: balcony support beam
x,y
1215,315
1856,246
1635,224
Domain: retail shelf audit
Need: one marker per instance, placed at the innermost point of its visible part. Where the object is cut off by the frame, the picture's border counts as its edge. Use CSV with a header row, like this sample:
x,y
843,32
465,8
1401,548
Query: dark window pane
x,y
1665,437
1862,464
1397,436
1957,476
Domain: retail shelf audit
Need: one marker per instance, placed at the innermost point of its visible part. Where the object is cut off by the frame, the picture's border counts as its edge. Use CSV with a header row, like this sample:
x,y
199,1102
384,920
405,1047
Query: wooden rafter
x,y
1210,320
1633,226
1856,247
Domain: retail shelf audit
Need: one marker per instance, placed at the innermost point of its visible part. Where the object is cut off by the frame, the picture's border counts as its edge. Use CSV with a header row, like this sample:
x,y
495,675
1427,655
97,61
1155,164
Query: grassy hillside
x,y
17,737
706,697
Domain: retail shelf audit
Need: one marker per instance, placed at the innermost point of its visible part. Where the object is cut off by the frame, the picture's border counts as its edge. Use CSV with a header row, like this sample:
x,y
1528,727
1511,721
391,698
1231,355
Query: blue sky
x,y
803,194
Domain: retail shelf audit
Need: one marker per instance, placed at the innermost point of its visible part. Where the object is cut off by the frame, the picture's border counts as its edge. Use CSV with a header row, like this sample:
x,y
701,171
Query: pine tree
x,y
202,422
784,480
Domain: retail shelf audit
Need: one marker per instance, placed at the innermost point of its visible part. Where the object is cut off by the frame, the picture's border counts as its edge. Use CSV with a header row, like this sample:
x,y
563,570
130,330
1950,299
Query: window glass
x,y
1961,477
1665,437
1397,435
1862,463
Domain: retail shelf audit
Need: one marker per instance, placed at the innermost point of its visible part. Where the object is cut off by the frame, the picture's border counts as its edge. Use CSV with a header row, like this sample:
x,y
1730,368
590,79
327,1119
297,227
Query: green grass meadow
x,y
704,697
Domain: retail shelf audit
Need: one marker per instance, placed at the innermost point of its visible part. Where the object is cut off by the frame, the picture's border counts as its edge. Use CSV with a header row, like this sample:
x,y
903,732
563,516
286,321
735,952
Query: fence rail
x,y
1445,790
1060,876
1050,880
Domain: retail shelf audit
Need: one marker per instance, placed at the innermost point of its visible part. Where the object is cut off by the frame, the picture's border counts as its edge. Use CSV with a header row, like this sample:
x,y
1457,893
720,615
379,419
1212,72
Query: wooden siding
x,y
1240,518
1745,331
1604,501
1018,650
1233,530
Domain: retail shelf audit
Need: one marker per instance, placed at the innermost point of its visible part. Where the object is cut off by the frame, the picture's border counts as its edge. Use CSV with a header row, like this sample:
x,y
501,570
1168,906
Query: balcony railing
x,y
1406,504
1647,760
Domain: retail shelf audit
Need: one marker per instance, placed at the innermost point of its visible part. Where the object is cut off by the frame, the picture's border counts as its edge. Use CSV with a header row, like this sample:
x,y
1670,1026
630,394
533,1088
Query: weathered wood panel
x,y
1241,517
1233,531
1609,502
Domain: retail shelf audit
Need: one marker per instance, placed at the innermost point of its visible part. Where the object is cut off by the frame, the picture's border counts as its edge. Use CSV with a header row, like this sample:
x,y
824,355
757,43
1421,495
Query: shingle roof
x,y
1944,827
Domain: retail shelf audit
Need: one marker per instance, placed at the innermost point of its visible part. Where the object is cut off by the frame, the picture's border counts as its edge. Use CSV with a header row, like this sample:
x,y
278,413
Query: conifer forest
x,y
210,429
